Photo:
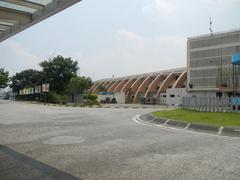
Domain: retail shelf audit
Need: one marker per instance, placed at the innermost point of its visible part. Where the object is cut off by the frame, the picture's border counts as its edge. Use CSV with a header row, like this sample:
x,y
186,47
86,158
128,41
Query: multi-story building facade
x,y
210,71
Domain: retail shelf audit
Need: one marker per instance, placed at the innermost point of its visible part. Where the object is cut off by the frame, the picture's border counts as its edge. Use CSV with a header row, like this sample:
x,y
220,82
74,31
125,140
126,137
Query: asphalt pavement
x,y
50,142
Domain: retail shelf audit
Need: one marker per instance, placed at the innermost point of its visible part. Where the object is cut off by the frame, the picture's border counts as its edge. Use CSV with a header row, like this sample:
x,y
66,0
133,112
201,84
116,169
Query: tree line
x,y
59,72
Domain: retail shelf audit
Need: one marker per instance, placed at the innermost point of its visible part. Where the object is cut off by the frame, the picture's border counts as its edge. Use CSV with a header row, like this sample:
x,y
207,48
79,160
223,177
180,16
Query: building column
x,y
181,80
165,84
127,85
113,86
153,86
142,88
120,85
95,89
93,86
134,87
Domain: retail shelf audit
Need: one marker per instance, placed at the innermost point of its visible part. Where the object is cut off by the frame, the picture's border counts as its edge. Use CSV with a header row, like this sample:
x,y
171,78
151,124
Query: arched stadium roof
x,y
17,15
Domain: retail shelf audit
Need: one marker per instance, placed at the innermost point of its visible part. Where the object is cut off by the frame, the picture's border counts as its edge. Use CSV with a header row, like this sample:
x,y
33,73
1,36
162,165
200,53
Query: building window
x,y
172,96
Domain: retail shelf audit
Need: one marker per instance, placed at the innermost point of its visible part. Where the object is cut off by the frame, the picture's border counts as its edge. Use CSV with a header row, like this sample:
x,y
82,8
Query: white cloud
x,y
15,57
133,53
160,7
175,8
136,54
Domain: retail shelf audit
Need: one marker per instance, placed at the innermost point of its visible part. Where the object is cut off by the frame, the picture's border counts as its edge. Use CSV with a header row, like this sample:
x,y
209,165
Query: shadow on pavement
x,y
15,165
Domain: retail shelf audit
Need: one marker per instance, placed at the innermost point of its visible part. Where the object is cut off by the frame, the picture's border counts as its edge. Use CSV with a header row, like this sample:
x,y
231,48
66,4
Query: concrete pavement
x,y
45,142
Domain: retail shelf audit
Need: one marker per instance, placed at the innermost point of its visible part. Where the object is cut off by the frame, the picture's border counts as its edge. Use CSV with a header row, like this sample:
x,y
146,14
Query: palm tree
x,y
78,85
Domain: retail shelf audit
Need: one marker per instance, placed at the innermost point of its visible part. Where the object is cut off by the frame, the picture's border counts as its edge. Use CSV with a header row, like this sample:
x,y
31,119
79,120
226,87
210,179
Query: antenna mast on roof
x,y
211,24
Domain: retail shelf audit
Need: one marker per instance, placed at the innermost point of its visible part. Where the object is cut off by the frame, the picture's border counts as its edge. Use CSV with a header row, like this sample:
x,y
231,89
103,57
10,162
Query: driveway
x,y
47,142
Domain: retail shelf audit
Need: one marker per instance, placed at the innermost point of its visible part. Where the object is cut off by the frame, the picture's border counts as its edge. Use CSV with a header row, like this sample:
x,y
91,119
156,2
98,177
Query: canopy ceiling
x,y
17,15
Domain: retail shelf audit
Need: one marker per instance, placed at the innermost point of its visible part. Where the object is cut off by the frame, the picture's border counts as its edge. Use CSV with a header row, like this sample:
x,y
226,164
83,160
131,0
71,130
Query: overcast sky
x,y
119,37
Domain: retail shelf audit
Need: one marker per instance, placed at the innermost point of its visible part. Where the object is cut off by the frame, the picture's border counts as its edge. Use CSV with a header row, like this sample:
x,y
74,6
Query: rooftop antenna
x,y
211,24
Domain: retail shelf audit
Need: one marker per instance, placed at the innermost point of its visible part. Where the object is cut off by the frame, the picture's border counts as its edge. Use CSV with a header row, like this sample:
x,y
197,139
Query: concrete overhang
x,y
18,15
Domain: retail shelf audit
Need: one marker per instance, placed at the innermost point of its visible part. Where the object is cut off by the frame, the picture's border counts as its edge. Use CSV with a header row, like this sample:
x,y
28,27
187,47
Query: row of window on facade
x,y
214,52
215,41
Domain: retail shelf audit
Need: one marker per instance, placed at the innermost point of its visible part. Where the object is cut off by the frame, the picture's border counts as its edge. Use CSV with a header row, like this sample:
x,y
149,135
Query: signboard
x,y
236,58
28,91
236,101
45,87
24,91
21,92
37,89
31,90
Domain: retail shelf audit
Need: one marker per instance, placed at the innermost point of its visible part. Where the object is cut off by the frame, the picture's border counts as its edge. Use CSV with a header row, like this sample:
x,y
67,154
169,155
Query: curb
x,y
221,131
106,107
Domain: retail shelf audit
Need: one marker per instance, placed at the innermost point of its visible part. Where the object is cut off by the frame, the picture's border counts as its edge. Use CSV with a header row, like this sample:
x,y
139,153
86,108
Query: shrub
x,y
91,99
54,97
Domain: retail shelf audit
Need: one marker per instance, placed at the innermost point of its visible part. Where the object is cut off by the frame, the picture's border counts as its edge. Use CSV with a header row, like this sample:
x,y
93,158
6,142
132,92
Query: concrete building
x,y
209,66
149,88
209,73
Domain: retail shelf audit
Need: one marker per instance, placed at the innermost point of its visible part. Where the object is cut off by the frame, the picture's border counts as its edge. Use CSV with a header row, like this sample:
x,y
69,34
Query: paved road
x,y
44,142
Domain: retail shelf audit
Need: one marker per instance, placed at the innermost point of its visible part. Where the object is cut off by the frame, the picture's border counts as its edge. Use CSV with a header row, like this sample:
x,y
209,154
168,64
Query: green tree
x,y
79,85
26,78
91,99
3,78
58,72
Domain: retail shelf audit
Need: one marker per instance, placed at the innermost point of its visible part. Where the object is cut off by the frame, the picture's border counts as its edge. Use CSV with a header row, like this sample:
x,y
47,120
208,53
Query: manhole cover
x,y
64,140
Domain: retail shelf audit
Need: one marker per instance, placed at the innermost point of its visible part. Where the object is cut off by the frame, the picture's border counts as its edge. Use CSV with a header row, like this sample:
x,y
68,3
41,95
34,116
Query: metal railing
x,y
212,104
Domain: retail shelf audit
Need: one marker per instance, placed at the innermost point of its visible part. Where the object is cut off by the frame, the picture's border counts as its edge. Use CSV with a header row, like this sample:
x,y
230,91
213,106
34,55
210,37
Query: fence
x,y
211,104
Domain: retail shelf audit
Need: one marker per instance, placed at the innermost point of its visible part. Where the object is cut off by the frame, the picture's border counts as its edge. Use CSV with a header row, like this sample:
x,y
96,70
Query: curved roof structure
x,y
175,71
146,85
17,15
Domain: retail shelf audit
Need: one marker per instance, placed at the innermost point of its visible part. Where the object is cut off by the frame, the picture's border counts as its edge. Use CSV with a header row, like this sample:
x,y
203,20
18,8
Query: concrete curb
x,y
106,107
221,131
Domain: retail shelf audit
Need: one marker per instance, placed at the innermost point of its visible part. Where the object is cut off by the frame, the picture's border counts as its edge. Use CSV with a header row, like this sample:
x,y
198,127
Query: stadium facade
x,y
209,72
146,88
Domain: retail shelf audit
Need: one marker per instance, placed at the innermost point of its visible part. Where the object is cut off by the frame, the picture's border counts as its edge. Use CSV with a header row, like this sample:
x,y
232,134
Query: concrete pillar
x,y
120,85
133,88
154,84
136,84
181,80
109,84
105,84
165,84
113,86
128,85
142,88
99,84
93,86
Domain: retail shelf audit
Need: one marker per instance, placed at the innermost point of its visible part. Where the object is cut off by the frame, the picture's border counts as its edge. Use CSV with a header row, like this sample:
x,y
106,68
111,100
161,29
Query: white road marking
x,y
165,123
220,130
138,120
187,125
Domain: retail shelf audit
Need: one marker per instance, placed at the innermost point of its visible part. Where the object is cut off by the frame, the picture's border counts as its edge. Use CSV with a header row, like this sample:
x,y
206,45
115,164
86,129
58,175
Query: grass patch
x,y
211,118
